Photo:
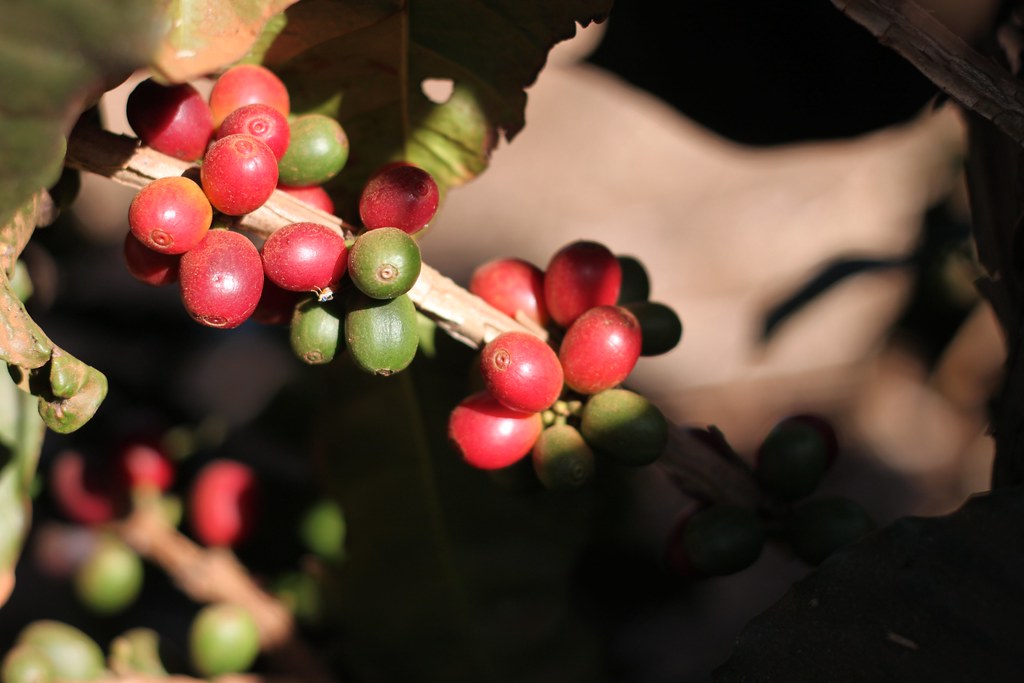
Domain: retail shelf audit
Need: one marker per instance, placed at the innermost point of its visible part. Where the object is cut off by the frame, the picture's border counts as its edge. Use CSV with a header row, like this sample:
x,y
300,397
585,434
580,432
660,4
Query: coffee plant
x,y
430,497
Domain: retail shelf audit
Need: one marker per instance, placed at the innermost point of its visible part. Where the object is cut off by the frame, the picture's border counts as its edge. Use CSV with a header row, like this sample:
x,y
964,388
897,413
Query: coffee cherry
x,y
521,371
322,529
821,526
73,655
794,456
490,436
561,458
173,119
247,84
223,503
148,266
221,279
142,464
722,539
315,331
317,152
512,286
170,215
239,173
276,305
314,195
381,335
305,257
111,578
82,488
580,276
660,327
600,349
26,664
261,121
223,639
384,263
636,285
624,425
399,195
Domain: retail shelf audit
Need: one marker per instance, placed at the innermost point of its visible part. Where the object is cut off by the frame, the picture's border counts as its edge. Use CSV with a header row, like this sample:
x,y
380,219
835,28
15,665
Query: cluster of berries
x,y
560,400
723,538
247,145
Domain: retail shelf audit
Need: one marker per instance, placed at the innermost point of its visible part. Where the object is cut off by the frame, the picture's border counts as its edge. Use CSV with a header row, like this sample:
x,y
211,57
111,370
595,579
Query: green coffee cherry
x,y
561,458
723,539
111,578
322,528
382,335
821,526
794,456
625,425
317,151
660,327
72,654
137,650
315,331
636,286
301,594
384,263
223,639
26,664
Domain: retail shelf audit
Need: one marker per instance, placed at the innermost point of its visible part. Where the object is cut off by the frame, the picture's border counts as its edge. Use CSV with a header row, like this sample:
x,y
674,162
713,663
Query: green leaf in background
x,y
925,599
56,58
203,36
366,62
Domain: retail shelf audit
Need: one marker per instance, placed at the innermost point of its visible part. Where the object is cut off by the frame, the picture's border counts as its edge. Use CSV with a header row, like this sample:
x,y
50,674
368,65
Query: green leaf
x,y
56,58
365,61
203,36
924,599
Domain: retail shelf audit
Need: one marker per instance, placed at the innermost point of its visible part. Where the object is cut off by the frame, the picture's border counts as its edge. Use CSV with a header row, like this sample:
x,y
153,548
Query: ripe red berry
x,y
148,266
580,276
223,503
490,436
521,371
170,215
141,463
239,173
305,257
82,489
600,349
261,121
221,279
247,84
314,195
512,285
399,196
173,119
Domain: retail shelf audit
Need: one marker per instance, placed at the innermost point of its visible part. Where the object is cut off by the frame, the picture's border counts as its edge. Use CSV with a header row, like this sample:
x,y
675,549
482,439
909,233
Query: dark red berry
x,y
276,305
170,215
173,119
600,349
148,266
247,84
82,488
580,276
314,195
512,285
223,503
261,121
221,279
305,257
490,436
399,196
239,173
521,371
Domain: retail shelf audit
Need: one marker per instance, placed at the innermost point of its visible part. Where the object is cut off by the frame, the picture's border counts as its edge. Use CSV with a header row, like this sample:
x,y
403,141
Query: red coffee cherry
x,y
580,276
141,463
148,266
173,119
239,173
600,349
247,84
221,279
490,436
223,503
521,371
399,195
314,195
276,305
261,121
82,488
305,257
170,215
512,285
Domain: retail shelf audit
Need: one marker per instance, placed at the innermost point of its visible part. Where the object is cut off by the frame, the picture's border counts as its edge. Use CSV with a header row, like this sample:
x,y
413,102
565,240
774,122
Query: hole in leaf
x,y
437,90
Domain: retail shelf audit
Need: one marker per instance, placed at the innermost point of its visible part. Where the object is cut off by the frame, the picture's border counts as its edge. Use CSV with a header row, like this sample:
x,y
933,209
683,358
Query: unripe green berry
x,y
723,539
561,458
624,425
73,654
111,578
223,639
26,664
317,152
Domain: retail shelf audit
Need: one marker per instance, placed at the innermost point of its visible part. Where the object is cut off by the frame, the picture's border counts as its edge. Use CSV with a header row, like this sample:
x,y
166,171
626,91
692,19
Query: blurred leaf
x,y
203,36
56,58
924,599
365,61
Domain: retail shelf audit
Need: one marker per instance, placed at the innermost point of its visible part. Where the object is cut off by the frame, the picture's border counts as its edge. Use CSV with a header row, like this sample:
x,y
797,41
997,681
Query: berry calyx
x,y
170,215
580,276
221,279
239,173
223,503
247,84
513,286
489,435
261,121
384,263
521,371
305,257
600,349
399,195
173,119
317,152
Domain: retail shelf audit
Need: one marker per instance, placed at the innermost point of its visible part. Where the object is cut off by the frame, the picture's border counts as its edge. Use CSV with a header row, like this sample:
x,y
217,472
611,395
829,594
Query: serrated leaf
x,y
934,599
365,63
56,57
203,36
